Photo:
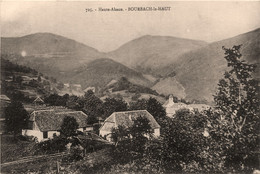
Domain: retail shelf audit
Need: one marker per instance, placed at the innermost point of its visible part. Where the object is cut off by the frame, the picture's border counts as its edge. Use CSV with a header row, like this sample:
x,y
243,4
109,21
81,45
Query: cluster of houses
x,y
45,122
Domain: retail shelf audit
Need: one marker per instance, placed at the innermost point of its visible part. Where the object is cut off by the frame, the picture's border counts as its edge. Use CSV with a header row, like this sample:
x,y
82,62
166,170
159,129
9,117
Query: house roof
x,y
89,88
126,119
48,120
166,103
4,97
38,99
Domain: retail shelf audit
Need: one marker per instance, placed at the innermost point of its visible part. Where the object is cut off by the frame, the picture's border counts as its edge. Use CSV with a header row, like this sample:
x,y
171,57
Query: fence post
x,y
58,167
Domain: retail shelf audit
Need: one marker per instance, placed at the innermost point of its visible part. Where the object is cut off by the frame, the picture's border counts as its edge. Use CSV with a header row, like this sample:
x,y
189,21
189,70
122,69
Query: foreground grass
x,y
14,149
38,166
95,162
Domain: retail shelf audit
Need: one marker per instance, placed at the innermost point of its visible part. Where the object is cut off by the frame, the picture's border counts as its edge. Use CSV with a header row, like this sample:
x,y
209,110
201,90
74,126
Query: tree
x,y
73,103
69,126
141,128
237,101
16,117
130,141
19,79
92,119
62,100
156,109
51,99
140,104
39,79
92,105
113,105
60,86
119,134
153,107
183,143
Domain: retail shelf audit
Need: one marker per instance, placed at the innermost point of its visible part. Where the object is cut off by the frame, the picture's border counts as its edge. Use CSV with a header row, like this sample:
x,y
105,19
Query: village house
x,y
27,79
171,107
43,124
66,85
125,119
199,107
93,89
76,87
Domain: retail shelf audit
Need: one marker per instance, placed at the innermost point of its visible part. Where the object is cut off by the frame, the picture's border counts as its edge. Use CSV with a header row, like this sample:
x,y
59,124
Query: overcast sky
x,y
106,31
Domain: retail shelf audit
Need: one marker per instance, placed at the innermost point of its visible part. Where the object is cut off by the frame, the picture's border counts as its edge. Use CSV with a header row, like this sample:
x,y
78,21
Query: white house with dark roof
x,y
43,124
126,119
171,107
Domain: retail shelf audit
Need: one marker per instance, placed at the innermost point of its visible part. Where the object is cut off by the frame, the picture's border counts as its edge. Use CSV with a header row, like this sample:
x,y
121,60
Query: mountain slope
x,y
149,53
66,60
102,71
48,53
168,86
44,44
199,71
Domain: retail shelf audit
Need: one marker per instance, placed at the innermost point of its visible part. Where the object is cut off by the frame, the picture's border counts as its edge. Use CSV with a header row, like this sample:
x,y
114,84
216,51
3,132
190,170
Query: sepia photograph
x,y
130,87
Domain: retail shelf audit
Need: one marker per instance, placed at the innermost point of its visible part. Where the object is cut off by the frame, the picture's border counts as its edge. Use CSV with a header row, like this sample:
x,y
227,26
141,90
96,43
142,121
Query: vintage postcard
x,y
130,86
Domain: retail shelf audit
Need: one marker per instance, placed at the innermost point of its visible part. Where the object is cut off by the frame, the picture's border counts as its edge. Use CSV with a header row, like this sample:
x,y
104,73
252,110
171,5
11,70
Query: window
x,y
45,134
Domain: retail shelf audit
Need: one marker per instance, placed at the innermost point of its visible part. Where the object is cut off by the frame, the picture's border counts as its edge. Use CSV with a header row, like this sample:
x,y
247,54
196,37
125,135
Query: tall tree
x,y
92,105
153,107
16,117
113,105
237,101
156,109
73,103
130,141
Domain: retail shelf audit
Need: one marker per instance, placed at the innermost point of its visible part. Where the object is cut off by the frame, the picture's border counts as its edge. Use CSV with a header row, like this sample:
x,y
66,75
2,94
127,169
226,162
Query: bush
x,y
55,145
77,152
